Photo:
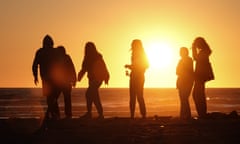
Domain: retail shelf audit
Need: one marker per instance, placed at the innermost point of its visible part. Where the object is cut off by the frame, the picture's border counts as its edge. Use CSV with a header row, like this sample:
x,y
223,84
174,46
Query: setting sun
x,y
162,26
162,60
159,54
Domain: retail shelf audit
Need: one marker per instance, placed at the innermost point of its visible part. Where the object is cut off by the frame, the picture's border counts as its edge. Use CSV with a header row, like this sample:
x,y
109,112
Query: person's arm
x,y
194,51
35,68
72,71
178,69
106,80
128,66
81,74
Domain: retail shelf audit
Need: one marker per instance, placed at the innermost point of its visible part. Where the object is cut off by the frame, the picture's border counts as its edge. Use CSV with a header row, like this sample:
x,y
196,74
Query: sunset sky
x,y
163,26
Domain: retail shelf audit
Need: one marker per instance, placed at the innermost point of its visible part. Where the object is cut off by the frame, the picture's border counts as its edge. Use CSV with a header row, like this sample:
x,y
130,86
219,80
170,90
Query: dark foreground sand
x,y
156,130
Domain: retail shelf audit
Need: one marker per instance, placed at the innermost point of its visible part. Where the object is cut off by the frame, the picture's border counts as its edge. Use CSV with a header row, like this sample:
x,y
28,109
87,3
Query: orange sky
x,y
112,25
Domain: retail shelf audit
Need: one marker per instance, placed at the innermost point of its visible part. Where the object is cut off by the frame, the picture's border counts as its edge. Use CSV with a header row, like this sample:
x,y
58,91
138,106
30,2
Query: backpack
x,y
100,71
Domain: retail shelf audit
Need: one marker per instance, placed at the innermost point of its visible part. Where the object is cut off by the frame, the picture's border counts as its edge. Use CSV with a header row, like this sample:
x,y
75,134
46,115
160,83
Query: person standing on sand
x,y
203,72
63,76
184,83
138,66
97,72
43,59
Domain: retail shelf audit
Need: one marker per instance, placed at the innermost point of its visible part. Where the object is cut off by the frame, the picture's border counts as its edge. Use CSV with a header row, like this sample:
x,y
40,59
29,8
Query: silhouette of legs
x,y
97,102
132,101
92,96
185,112
136,93
67,100
199,98
53,103
89,104
46,90
51,93
141,102
52,109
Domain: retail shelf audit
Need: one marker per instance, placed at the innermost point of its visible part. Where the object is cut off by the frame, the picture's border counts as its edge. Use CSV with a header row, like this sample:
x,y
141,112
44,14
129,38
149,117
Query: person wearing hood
x,y
42,61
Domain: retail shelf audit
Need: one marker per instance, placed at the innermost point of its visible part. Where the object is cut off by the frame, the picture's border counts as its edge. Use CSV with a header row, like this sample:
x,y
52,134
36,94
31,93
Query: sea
x,y
29,102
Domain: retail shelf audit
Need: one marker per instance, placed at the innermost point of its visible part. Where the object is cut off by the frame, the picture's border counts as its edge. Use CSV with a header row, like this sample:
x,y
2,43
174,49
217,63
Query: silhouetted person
x,y
203,73
184,72
139,63
97,72
43,60
63,76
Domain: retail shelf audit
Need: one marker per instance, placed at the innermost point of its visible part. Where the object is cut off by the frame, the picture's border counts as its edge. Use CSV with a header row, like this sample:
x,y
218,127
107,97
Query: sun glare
x,y
159,55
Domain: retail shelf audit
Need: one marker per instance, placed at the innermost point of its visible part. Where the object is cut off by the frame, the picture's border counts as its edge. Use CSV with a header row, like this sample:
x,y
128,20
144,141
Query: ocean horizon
x,y
29,102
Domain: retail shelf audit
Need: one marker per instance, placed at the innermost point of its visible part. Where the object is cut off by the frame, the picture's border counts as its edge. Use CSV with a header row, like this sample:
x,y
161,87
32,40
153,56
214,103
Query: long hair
x,y
91,54
138,54
137,48
201,43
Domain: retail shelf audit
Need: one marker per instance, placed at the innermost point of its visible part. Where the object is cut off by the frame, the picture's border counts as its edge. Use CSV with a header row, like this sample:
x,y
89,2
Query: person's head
x,y
201,43
61,50
136,45
48,42
90,49
137,48
183,52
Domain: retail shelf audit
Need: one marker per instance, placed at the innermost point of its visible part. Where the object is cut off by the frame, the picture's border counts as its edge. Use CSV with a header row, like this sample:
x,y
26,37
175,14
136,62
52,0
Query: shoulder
x,y
99,57
39,51
68,57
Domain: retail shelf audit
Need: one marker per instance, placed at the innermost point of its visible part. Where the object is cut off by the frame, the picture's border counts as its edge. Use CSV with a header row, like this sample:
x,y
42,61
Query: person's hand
x,y
127,66
74,84
194,46
36,81
106,82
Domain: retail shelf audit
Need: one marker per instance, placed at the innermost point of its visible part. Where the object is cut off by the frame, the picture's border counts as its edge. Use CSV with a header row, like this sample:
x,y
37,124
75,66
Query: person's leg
x,y
132,103
46,93
140,97
142,105
67,100
185,112
53,109
200,98
49,93
98,104
53,101
89,102
96,97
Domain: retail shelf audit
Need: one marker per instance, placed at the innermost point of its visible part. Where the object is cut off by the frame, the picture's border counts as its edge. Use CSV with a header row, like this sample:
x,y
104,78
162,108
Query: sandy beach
x,y
21,111
121,130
